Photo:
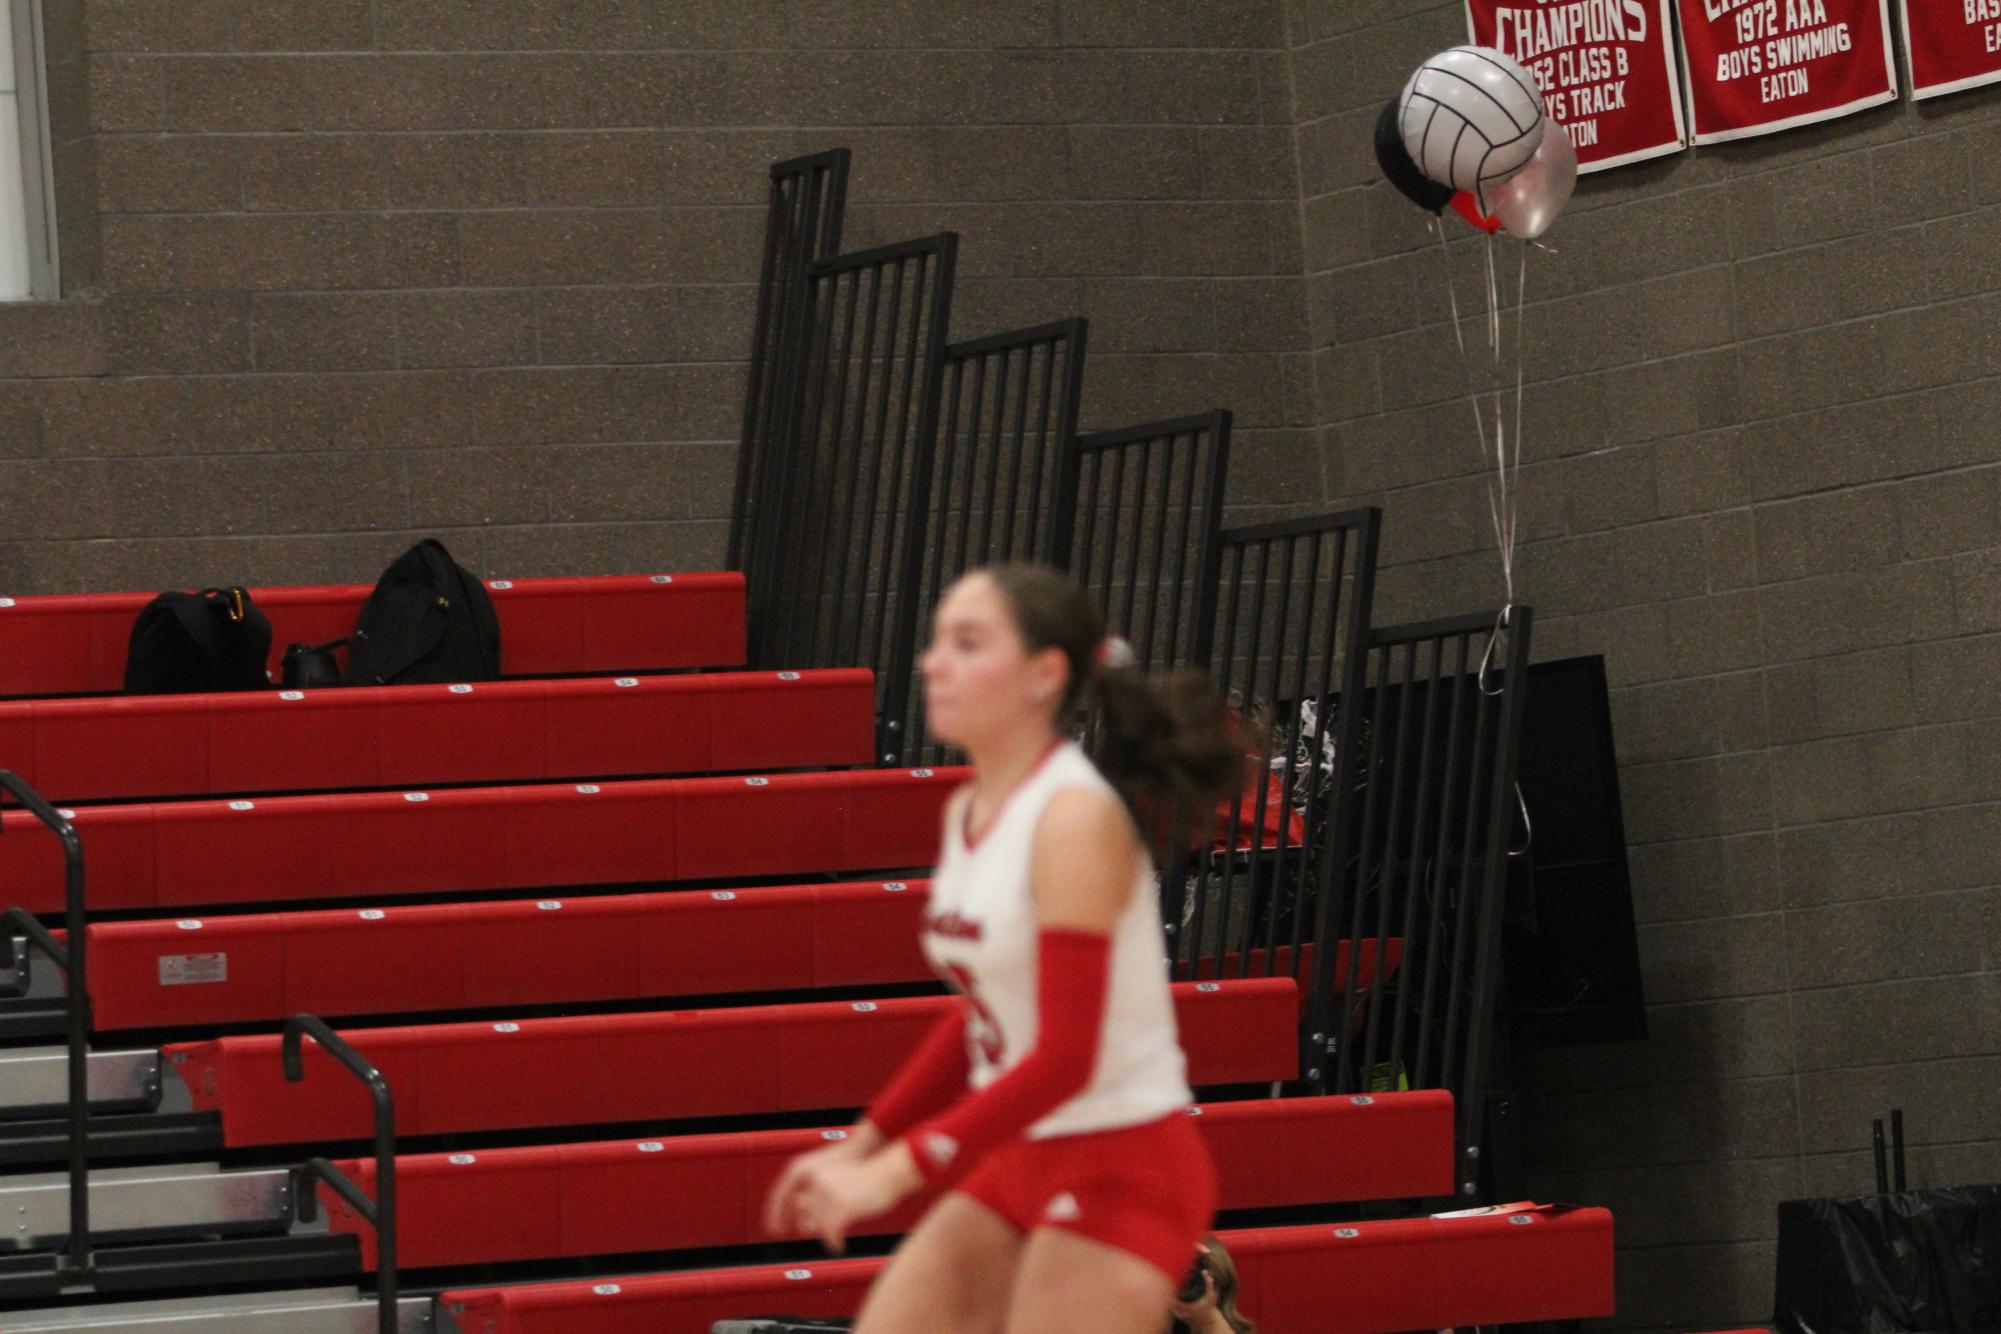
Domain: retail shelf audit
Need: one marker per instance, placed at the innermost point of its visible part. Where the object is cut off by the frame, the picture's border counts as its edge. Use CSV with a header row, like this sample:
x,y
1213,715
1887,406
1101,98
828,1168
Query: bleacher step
x,y
168,1266
324,1311
44,1142
133,1203
34,1083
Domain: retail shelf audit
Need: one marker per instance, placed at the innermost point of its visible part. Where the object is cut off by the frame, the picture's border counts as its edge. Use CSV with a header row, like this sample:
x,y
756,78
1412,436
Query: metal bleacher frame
x,y
874,517
802,224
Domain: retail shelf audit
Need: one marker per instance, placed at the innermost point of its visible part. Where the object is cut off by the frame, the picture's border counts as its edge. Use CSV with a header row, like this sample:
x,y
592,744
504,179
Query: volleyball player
x,y
1047,1111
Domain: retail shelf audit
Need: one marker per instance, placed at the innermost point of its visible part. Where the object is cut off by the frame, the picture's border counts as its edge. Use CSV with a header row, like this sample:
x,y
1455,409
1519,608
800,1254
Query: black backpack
x,y
184,643
429,620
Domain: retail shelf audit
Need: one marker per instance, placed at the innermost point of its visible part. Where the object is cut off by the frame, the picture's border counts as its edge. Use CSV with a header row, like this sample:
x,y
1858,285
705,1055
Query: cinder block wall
x,y
1764,479
341,272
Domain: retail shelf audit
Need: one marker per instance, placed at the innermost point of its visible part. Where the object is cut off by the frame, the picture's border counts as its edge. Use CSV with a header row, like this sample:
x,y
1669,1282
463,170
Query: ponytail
x,y
1165,741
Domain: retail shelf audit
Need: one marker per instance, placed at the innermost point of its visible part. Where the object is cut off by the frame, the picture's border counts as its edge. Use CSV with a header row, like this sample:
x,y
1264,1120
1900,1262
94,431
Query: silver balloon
x,y
1530,200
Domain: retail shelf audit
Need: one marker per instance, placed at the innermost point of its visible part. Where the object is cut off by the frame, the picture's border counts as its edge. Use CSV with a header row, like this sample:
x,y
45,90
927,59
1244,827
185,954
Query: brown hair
x,y
1165,741
1216,1259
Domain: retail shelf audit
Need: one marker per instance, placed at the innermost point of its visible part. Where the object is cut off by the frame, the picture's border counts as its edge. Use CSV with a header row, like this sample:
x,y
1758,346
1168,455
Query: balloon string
x,y
1521,367
1459,336
1501,494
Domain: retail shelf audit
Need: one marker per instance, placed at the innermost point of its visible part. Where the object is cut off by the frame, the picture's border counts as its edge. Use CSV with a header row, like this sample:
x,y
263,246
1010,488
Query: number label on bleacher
x,y
371,914
589,789
798,1275
507,1028
416,796
895,886
1362,1100
461,1160
757,782
183,970
243,805
501,584
863,1007
626,682
663,578
1347,1233
606,1289
723,896
1208,986
834,1134
652,1146
6,602
459,689
1520,1220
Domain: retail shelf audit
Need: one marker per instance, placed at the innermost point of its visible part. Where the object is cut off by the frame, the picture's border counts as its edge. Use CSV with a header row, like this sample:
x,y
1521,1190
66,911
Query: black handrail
x,y
68,955
380,1212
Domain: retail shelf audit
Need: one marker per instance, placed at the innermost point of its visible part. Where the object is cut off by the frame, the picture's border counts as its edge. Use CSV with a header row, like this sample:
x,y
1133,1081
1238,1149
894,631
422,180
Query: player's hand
x,y
835,1195
781,1206
1198,1313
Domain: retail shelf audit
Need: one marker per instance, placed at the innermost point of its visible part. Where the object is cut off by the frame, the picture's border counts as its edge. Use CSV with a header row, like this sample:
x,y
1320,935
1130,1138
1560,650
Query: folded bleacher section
x,y
589,951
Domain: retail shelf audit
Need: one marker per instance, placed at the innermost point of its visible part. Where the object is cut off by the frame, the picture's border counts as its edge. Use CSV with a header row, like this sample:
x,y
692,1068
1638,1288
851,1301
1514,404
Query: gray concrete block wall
x,y
1762,452
343,273
349,272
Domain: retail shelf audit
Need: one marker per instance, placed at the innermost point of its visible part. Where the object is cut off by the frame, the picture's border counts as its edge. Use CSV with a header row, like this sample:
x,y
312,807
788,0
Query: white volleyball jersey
x,y
980,934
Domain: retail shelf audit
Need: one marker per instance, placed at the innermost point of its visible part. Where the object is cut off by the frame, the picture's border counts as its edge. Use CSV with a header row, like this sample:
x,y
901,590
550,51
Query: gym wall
x,y
342,272
339,273
1762,430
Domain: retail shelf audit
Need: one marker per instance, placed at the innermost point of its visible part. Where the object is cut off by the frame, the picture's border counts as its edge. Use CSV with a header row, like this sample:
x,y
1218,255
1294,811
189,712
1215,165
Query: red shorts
x,y
1149,1190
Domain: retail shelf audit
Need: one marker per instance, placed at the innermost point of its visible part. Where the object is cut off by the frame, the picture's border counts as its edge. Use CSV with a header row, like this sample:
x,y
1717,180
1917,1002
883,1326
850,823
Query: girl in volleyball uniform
x,y
1048,1108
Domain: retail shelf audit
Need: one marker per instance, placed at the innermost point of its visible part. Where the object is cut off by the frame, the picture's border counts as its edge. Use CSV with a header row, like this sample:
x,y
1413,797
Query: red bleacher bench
x,y
493,731
75,645
553,1201
601,1069
1359,1278
266,850
459,956
342,962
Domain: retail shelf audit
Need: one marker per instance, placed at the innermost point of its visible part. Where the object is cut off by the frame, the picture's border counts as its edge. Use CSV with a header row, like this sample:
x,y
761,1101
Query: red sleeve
x,y
1071,981
933,1076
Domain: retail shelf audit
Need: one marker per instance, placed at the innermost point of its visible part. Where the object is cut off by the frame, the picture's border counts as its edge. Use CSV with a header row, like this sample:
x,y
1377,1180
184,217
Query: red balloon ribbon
x,y
1463,205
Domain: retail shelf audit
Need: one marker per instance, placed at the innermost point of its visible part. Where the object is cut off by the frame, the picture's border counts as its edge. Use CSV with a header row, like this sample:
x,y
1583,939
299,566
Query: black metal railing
x,y
1143,531
1291,611
1008,419
70,955
835,579
380,1212
802,224
1415,868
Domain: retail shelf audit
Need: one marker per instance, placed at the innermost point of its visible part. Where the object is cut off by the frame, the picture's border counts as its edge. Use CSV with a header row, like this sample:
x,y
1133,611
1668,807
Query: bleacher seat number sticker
x,y
181,970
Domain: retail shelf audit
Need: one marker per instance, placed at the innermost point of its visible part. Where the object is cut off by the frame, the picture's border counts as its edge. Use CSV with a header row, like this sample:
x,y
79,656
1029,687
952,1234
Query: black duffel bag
x,y
184,643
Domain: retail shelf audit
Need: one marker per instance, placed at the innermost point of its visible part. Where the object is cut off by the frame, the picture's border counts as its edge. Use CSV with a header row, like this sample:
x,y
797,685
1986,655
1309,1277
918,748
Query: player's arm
x,y
1082,869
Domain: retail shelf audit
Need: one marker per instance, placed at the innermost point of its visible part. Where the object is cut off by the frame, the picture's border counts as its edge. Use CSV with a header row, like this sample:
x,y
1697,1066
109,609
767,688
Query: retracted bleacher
x,y
605,941
1362,1278
75,644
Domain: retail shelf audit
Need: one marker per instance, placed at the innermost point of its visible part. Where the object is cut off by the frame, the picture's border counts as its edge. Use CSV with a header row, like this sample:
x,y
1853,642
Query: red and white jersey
x,y
980,934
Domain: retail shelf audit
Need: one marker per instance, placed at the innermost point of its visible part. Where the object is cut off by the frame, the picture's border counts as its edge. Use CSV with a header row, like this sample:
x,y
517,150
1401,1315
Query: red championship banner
x,y
1756,66
1951,45
1606,69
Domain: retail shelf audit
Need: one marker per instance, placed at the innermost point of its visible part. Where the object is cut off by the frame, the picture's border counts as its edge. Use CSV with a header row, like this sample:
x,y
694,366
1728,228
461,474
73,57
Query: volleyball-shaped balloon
x,y
1470,116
